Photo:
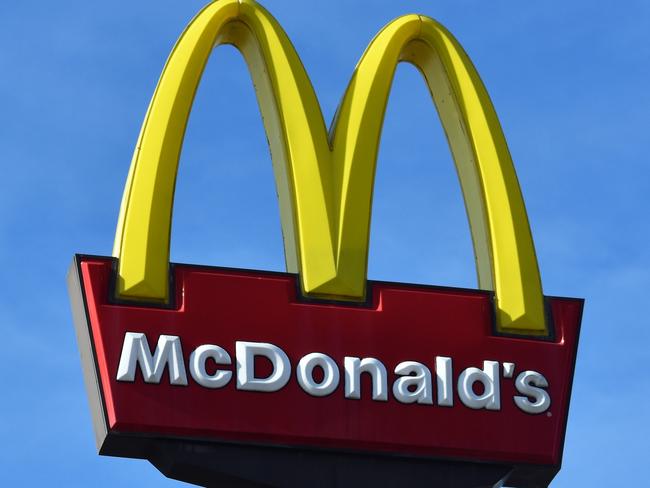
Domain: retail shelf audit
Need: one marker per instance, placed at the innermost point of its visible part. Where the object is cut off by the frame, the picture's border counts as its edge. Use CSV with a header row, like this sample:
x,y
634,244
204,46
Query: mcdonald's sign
x,y
318,376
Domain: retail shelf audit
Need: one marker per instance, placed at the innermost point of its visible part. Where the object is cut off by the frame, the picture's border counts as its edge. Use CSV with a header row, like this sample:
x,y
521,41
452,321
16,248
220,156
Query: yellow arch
x,y
295,129
325,185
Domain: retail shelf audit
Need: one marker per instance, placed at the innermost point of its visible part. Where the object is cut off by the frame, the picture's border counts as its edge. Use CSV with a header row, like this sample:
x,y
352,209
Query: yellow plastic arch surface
x,y
325,181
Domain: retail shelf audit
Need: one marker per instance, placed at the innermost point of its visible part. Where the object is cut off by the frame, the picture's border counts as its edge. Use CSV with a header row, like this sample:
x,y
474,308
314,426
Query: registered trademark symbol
x,y
549,414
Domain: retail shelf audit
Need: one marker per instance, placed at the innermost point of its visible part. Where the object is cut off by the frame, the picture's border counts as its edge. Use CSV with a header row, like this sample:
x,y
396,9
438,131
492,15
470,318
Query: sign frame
x,y
191,459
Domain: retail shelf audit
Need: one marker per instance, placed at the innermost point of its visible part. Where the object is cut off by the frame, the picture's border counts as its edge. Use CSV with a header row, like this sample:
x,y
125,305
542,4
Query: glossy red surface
x,y
405,322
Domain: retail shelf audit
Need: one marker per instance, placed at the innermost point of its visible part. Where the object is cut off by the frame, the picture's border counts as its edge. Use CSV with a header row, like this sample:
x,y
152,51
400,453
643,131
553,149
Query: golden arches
x,y
325,186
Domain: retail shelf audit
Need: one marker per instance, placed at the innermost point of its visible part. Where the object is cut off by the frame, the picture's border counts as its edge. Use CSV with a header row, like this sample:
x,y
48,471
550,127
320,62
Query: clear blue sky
x,y
568,79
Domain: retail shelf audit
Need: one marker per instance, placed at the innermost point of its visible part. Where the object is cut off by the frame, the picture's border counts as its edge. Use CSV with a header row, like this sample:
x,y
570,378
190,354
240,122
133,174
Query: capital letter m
x,y
135,350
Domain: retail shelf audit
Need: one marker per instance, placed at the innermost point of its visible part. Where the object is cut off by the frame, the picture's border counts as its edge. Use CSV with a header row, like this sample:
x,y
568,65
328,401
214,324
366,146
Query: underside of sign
x,y
242,381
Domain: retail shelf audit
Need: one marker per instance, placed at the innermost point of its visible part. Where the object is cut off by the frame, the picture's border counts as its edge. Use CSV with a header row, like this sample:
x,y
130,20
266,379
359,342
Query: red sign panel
x,y
487,398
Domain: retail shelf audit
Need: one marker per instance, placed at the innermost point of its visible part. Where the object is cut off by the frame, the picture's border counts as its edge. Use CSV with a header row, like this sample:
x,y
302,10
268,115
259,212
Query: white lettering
x,y
246,379
444,381
198,359
530,383
476,388
415,384
354,367
305,374
490,399
135,350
